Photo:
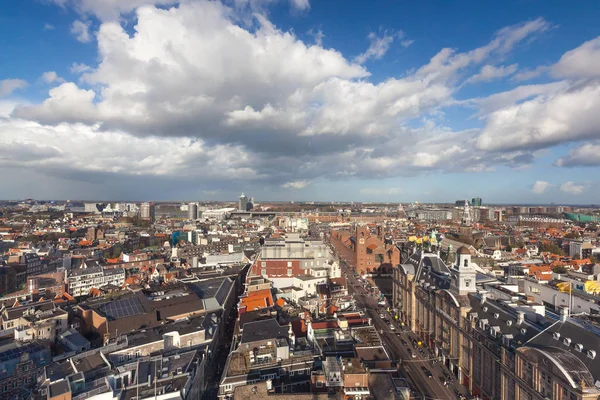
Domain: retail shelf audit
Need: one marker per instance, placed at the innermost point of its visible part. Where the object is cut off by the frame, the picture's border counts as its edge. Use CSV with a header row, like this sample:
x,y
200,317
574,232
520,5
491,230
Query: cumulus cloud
x,y
540,187
490,72
572,188
586,155
51,77
581,62
196,94
566,115
7,86
81,31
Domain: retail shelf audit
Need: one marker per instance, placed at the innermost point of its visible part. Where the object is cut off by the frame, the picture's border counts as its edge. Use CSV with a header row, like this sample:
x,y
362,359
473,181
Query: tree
x,y
594,259
572,235
551,248
560,269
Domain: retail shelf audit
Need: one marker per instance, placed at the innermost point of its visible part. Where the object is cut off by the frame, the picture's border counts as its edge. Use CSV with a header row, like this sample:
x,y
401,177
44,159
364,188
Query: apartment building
x,y
283,260
80,281
497,348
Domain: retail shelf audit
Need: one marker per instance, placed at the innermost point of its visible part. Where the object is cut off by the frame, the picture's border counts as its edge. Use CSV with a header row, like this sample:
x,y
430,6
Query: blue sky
x,y
384,100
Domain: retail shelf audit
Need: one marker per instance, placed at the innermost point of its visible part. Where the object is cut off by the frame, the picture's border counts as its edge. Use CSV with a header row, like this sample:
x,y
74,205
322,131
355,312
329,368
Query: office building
x,y
192,211
243,203
476,202
147,211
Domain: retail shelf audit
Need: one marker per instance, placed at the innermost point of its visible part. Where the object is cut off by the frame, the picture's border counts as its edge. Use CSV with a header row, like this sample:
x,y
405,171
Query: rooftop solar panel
x,y
122,308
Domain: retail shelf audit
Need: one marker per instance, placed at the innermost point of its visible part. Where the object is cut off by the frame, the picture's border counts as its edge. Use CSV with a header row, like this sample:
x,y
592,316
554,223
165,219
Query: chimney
x,y
564,314
483,297
520,317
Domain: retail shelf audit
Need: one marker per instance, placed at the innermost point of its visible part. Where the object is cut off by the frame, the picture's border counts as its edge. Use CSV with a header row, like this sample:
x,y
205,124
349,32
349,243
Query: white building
x,y
285,260
80,281
218,214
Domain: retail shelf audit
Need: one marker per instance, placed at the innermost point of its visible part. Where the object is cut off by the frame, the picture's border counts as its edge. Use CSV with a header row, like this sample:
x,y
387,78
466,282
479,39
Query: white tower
x,y
466,219
463,272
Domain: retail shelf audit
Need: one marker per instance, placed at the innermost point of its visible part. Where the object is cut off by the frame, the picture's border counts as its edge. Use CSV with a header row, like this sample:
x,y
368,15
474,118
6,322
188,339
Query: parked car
x,y
427,372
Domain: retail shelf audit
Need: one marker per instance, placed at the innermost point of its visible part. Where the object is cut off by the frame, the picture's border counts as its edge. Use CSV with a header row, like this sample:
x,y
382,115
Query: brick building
x,y
365,251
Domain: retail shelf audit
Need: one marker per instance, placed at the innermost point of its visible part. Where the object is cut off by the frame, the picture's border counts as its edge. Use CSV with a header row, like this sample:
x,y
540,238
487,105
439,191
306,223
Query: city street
x,y
430,388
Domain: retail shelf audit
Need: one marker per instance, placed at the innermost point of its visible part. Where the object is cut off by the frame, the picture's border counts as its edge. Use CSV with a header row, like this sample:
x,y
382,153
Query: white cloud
x,y
49,27
540,187
296,184
490,72
586,155
318,35
447,61
528,74
300,5
581,62
51,77
67,103
566,115
7,86
78,68
378,46
406,42
290,113
65,150
572,188
80,30
109,10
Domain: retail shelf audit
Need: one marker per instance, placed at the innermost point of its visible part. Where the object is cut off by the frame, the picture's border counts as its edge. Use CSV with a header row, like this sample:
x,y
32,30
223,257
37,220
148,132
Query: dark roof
x,y
463,250
490,309
59,388
122,308
579,331
263,330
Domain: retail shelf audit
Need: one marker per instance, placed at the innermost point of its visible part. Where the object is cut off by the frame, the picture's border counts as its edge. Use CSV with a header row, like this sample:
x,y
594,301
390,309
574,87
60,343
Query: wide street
x,y
429,388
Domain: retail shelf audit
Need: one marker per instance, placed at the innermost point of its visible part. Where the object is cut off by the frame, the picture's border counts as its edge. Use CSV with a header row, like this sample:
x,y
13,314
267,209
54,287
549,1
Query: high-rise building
x,y
192,210
147,211
243,202
476,202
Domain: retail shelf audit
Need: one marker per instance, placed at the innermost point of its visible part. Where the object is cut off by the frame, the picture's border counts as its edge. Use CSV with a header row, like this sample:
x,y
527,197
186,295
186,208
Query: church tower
x,y
463,272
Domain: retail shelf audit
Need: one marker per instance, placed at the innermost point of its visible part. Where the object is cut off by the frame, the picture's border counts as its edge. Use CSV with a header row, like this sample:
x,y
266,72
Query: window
x,y
319,384
289,263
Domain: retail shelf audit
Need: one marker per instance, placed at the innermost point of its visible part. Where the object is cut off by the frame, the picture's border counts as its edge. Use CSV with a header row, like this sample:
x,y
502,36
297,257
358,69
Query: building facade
x,y
80,281
497,348
364,251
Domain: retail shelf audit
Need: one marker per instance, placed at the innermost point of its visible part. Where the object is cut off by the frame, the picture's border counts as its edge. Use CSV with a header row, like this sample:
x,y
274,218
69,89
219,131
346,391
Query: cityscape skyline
x,y
175,100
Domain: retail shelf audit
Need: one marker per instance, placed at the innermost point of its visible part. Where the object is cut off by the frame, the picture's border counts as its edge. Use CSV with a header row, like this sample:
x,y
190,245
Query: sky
x,y
323,100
